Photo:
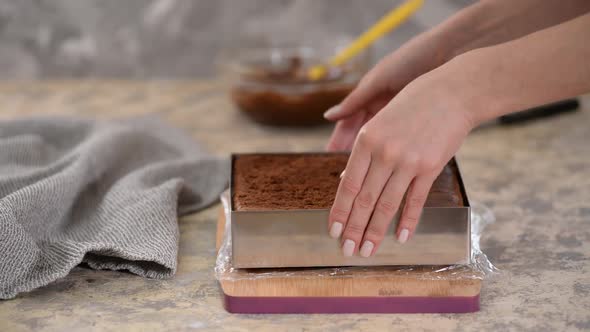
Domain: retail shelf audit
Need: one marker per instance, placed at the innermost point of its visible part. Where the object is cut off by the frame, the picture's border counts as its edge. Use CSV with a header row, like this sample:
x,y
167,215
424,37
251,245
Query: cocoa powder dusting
x,y
286,182
310,181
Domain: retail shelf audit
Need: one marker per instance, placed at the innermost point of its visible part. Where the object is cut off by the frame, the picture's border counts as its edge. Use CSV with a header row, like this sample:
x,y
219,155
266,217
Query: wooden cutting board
x,y
353,290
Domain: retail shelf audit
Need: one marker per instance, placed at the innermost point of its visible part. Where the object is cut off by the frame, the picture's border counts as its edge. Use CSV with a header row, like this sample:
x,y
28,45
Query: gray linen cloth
x,y
104,193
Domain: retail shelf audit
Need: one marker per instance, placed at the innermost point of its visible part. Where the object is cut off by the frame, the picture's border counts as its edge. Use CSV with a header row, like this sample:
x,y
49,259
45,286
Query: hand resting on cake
x,y
406,145
410,114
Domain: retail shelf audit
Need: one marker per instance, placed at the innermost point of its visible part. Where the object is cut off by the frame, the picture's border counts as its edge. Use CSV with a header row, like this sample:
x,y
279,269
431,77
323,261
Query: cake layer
x,y
310,181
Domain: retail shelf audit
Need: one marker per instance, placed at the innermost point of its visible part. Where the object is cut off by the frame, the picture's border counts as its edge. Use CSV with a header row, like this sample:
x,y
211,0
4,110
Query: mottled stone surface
x,y
535,177
177,38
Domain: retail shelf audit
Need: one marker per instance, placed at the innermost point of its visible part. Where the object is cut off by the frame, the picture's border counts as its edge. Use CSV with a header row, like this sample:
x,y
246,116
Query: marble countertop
x,y
535,177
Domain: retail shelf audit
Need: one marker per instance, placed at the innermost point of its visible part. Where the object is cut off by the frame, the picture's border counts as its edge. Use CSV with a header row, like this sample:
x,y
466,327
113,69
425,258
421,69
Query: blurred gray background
x,y
177,38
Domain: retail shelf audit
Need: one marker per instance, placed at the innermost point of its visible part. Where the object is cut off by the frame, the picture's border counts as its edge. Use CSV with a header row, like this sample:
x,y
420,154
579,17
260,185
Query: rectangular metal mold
x,y
299,238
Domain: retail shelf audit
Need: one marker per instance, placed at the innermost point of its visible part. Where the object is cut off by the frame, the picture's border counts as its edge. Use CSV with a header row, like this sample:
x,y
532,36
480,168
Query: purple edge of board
x,y
334,305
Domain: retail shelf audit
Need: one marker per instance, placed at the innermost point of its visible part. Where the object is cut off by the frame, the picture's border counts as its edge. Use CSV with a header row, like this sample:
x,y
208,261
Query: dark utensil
x,y
549,110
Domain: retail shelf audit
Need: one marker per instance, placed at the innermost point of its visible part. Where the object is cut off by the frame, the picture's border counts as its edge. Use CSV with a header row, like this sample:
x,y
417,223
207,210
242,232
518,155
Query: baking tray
x,y
299,238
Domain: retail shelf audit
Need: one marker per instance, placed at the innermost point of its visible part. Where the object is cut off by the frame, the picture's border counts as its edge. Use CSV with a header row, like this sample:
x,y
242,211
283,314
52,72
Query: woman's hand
x,y
485,23
404,142
381,84
404,146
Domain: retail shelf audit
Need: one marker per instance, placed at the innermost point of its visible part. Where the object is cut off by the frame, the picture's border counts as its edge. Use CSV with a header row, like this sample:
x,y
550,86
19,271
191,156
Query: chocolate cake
x,y
310,181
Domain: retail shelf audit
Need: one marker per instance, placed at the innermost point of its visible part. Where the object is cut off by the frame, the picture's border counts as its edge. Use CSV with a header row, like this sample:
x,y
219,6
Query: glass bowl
x,y
270,86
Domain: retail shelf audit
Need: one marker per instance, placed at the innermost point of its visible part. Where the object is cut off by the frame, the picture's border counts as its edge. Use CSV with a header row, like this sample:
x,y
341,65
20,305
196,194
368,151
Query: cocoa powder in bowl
x,y
310,181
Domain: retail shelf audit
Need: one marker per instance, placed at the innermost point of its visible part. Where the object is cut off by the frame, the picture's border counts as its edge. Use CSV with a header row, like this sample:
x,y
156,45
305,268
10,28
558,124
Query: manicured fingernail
x,y
336,230
332,112
367,249
348,248
342,174
403,235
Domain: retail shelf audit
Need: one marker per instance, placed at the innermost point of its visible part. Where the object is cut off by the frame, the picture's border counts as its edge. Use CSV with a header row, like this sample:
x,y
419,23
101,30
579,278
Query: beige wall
x,y
175,38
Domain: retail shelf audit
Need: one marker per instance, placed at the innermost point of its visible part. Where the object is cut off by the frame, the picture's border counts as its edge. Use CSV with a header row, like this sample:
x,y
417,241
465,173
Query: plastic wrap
x,y
479,268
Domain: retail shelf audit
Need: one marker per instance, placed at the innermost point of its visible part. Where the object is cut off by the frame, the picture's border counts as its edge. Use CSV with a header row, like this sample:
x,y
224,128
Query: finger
x,y
354,102
364,203
371,87
343,137
387,205
345,132
348,189
374,103
415,199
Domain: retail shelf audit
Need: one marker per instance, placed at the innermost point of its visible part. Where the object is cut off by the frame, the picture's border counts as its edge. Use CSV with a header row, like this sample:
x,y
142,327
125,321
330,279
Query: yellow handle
x,y
389,22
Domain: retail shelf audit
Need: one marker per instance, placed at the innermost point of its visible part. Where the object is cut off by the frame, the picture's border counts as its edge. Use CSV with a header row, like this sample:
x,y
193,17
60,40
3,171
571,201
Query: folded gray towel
x,y
104,193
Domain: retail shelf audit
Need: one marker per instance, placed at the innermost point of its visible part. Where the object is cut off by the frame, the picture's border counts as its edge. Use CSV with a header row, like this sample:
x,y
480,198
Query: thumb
x,y
353,103
373,84
371,107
